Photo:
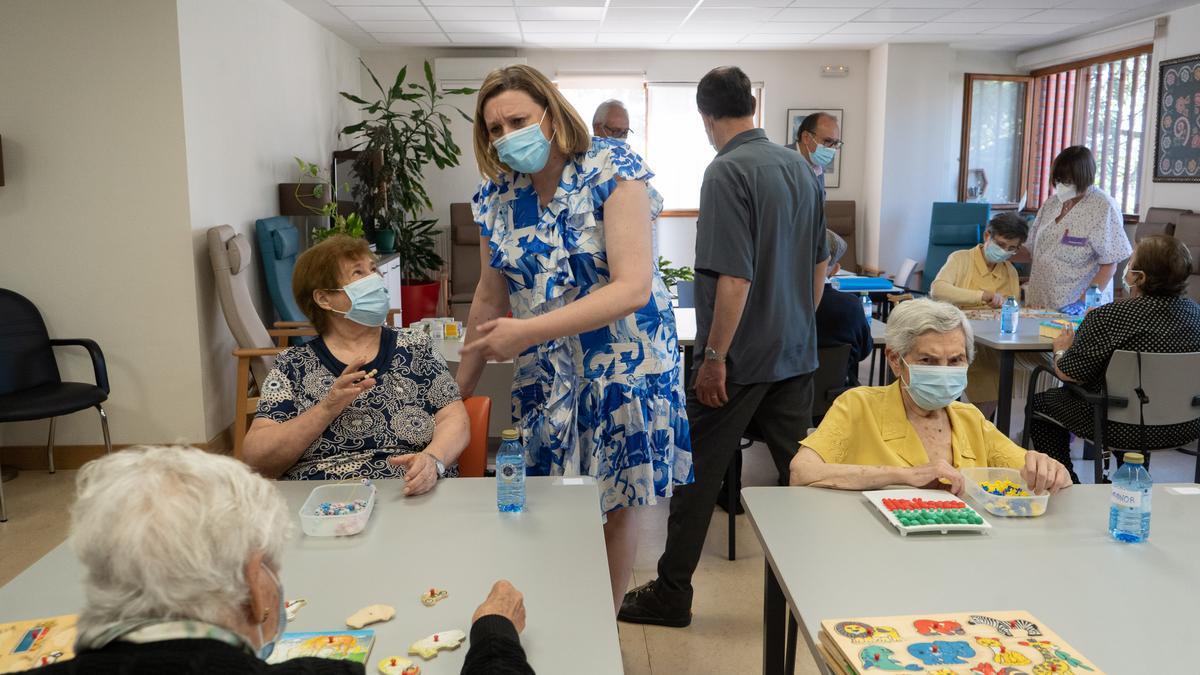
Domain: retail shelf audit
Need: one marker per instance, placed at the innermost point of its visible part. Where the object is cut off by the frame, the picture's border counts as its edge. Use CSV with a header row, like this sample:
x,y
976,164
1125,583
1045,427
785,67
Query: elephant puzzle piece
x,y
398,665
430,646
370,614
881,658
942,652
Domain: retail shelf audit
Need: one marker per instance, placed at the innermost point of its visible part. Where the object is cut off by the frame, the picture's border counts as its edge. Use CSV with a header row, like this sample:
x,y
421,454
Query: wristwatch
x,y
711,354
437,463
1059,354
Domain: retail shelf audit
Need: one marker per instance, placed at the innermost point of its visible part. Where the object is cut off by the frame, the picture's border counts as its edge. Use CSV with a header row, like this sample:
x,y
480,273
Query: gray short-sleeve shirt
x,y
762,218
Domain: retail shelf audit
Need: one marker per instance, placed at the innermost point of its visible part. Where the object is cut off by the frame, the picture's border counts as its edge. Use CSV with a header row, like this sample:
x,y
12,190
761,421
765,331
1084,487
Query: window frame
x,y
964,159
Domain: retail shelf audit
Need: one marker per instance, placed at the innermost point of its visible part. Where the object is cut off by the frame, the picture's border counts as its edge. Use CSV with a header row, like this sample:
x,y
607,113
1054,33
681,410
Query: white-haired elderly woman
x,y
181,550
915,432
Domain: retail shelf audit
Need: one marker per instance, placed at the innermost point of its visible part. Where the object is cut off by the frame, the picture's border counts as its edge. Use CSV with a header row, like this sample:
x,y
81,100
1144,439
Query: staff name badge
x,y
1068,240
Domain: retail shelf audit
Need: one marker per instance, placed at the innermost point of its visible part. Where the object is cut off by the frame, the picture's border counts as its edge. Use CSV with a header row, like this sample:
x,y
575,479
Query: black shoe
x,y
642,605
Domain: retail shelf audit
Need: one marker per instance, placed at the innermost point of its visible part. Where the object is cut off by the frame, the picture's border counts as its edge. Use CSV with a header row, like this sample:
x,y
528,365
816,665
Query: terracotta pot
x,y
418,300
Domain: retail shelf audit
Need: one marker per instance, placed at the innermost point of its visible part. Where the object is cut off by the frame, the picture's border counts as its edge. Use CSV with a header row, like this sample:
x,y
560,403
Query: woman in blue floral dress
x,y
565,226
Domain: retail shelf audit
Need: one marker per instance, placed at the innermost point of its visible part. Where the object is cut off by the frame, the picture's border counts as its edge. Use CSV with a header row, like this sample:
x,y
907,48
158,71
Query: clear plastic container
x,y
997,505
315,525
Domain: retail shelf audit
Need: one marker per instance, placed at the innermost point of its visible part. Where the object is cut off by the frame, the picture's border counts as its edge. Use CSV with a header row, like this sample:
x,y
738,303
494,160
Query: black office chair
x,y
829,381
30,385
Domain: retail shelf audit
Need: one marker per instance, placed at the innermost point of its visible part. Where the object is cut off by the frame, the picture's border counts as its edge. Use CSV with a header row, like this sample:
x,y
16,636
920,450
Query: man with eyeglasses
x,y
818,139
611,120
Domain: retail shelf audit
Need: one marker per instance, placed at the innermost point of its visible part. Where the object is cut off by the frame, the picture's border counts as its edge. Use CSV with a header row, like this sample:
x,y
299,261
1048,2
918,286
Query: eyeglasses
x,y
833,143
616,133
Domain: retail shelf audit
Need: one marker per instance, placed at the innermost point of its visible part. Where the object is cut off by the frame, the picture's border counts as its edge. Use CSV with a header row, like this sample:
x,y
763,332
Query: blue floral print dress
x,y
608,403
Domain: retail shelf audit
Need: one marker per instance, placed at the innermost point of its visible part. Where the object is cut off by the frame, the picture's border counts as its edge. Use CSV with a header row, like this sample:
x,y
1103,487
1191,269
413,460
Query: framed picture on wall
x,y
833,173
1177,132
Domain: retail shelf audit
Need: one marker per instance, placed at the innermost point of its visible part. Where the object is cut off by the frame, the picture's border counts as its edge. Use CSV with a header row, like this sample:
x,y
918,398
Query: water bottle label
x,y
1127,498
508,471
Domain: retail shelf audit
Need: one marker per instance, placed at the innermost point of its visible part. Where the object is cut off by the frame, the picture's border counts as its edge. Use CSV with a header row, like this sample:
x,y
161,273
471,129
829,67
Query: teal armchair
x,y
278,245
953,226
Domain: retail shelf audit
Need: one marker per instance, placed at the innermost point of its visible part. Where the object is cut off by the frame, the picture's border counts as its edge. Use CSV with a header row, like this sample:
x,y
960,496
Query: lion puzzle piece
x,y
430,646
370,614
398,665
433,597
881,658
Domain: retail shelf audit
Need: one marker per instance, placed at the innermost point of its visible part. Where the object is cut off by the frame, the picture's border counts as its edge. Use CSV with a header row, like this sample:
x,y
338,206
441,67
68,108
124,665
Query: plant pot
x,y
418,300
385,241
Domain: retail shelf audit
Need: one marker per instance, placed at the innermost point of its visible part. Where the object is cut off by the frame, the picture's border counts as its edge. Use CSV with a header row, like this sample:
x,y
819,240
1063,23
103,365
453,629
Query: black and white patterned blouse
x,y
1154,324
394,417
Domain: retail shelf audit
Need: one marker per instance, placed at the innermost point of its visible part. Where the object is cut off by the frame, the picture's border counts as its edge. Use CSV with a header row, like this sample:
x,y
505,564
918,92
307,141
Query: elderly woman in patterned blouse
x,y
362,400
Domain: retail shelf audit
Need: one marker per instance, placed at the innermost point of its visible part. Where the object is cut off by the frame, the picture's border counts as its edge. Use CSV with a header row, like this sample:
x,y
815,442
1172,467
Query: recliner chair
x,y
278,246
953,226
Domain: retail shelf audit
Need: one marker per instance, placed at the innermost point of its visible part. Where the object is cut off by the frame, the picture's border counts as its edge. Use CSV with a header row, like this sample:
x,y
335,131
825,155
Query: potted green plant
x,y
317,199
397,146
673,275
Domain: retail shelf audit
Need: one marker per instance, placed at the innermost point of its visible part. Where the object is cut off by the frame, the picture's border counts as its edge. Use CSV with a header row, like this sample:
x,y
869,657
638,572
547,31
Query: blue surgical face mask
x,y
266,647
935,387
369,303
524,150
994,254
823,155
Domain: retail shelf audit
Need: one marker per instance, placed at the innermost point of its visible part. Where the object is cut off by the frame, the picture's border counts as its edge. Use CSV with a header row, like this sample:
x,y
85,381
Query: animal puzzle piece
x,y
881,658
370,614
931,627
988,669
859,632
326,647
942,652
398,665
433,596
1052,654
430,646
1005,628
1003,655
293,607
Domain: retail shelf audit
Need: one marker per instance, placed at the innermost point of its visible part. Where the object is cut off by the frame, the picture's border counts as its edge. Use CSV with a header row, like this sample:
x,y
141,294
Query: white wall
x,y
791,80
922,86
94,216
260,85
1180,40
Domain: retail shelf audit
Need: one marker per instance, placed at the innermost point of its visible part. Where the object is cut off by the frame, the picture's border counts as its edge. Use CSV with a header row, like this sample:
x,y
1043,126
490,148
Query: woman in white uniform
x,y
1077,239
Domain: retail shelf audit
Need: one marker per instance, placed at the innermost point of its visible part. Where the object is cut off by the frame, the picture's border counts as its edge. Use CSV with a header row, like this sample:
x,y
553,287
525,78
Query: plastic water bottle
x,y
1129,515
1092,298
510,473
868,306
1010,314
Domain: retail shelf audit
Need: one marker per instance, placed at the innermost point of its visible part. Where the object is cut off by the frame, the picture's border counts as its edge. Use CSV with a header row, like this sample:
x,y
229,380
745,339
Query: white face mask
x,y
709,133
1065,192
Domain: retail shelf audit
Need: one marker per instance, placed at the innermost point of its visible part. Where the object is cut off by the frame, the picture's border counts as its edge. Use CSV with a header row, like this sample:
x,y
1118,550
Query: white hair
x,y
601,114
165,532
912,319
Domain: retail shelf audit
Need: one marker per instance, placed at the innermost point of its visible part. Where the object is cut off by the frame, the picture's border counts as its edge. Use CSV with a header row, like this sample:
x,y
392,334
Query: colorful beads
x,y
918,512
1003,488
341,508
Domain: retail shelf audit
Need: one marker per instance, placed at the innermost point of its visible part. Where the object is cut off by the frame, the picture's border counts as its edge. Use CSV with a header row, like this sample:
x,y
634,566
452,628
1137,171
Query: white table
x,y
453,538
1127,607
1026,339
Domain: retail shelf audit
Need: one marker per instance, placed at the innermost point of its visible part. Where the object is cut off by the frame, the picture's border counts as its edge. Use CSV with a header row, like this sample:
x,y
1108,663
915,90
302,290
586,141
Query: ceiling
x,y
721,24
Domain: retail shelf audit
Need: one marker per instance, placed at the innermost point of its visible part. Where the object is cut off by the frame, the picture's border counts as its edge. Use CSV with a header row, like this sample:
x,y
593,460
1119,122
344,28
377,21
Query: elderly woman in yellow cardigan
x,y
914,432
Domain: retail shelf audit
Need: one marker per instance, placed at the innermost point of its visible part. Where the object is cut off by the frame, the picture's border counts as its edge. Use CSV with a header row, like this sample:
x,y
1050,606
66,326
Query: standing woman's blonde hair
x,y
571,135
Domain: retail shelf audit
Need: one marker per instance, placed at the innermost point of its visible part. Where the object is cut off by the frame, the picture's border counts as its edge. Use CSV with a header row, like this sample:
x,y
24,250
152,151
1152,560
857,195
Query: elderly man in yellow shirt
x,y
914,432
980,278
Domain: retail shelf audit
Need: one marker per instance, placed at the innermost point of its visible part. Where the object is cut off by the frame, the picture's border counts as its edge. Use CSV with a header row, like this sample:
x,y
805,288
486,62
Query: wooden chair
x,y
472,463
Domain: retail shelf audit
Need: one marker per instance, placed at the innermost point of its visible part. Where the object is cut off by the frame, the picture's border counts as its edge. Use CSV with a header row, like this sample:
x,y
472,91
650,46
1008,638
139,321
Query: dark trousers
x,y
781,412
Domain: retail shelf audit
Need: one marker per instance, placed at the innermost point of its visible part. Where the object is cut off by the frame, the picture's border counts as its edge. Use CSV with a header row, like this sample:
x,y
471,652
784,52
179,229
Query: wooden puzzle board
x,y
1008,642
37,642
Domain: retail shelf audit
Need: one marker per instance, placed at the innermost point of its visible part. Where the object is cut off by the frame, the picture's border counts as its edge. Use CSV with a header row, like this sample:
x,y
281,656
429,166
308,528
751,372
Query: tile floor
x,y
725,635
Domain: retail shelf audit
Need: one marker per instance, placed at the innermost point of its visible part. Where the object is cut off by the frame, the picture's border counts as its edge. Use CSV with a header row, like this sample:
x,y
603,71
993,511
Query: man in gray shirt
x,y
760,270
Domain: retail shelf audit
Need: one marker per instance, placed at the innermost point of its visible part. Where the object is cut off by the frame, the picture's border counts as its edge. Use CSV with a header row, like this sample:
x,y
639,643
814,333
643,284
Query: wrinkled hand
x,y
938,474
420,472
1065,339
348,386
996,301
506,601
499,339
1043,473
710,384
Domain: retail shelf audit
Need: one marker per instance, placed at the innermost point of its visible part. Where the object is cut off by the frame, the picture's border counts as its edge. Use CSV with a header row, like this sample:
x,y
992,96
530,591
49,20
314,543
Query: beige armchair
x,y
230,255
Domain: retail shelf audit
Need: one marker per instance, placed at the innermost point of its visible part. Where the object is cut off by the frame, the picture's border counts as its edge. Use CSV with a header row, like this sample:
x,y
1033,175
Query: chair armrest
x,y
251,353
291,332
1094,397
98,365
292,324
